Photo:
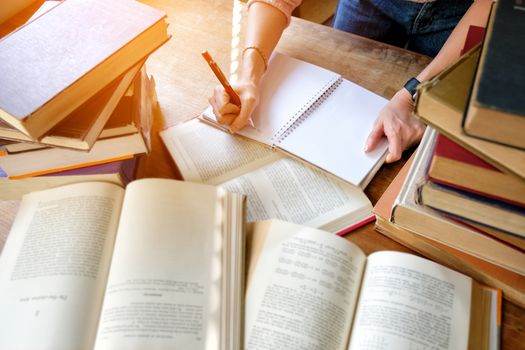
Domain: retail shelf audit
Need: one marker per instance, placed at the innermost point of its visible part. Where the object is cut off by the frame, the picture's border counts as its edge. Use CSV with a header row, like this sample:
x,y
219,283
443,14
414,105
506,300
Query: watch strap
x,y
411,86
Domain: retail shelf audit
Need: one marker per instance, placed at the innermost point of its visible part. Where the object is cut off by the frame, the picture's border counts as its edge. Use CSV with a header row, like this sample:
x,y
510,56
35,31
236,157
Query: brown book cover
x,y
55,63
441,103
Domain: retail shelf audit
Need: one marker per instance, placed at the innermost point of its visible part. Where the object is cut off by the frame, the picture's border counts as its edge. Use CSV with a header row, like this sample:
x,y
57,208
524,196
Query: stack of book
x,y
462,200
76,102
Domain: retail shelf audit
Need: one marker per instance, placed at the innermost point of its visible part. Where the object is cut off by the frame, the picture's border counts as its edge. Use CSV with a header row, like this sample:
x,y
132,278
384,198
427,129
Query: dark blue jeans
x,y
420,27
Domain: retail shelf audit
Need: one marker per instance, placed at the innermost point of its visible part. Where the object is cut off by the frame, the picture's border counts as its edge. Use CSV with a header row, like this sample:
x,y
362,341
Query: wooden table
x,y
184,83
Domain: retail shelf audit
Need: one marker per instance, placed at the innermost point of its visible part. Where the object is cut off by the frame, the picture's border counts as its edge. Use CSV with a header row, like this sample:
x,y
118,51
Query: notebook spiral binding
x,y
303,113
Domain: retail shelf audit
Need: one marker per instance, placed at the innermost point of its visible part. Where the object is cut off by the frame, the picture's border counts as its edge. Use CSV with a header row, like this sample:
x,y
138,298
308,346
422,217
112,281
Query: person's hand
x,y
397,122
229,114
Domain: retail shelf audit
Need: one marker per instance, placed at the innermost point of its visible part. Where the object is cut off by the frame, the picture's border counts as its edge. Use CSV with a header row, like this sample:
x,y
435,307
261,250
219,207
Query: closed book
x,y
496,109
482,210
55,63
455,166
441,102
515,241
422,220
119,172
97,118
512,283
50,160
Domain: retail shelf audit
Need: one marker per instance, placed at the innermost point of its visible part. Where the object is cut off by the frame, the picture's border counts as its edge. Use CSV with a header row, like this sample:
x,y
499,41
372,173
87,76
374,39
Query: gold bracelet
x,y
259,51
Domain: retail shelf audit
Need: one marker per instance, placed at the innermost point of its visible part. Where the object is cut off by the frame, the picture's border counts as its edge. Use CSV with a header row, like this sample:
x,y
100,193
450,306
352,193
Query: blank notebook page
x,y
334,135
287,87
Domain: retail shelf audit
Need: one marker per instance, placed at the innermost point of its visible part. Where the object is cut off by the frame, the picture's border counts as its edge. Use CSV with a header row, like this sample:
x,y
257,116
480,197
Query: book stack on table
x,y
76,103
462,201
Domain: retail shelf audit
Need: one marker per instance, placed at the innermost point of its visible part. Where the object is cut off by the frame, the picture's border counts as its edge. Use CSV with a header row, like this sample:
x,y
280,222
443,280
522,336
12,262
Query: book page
x,y
206,154
292,191
333,136
8,210
304,289
408,302
54,265
276,186
164,285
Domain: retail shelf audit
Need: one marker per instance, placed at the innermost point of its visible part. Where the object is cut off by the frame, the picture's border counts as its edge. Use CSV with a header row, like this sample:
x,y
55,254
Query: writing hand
x,y
229,114
397,122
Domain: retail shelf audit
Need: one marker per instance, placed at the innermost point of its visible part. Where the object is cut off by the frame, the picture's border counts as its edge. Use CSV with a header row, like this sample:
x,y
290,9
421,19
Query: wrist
x,y
253,67
404,96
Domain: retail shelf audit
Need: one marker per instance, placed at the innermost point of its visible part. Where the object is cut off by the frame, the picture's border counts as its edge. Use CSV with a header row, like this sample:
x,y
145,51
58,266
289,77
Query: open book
x,y
311,290
93,266
316,115
277,187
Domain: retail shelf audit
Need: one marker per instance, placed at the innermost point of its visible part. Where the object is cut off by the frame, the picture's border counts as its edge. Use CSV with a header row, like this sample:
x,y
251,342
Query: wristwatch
x,y
411,87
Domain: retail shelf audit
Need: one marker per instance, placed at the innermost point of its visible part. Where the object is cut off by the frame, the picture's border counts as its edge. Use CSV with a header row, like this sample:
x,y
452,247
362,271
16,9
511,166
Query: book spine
x,y
408,194
303,113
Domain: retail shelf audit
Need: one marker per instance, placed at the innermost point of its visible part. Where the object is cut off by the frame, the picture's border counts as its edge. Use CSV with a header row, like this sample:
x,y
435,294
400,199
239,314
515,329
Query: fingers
x,y
395,148
230,114
375,135
224,111
248,105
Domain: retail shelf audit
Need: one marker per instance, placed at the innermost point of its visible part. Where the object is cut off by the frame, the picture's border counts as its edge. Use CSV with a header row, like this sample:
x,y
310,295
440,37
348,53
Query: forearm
x,y
476,15
264,28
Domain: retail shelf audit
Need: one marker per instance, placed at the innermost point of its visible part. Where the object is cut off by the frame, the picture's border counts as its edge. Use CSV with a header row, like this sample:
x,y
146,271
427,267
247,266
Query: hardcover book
x,y
511,283
471,207
496,108
51,160
83,126
453,165
119,172
441,103
58,61
411,215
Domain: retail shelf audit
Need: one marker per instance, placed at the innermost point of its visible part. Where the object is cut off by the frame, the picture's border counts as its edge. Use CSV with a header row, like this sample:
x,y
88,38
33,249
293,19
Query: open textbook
x,y
277,187
310,290
159,265
317,116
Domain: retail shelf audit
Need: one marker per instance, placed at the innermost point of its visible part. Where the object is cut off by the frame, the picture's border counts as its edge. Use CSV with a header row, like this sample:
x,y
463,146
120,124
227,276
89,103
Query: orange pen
x,y
220,75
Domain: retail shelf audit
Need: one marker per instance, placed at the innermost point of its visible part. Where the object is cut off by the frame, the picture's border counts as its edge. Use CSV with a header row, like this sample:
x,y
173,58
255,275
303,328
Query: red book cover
x,y
449,149
487,177
474,37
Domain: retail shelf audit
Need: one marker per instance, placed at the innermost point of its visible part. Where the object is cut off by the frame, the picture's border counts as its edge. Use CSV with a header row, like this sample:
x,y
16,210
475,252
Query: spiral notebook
x,y
318,116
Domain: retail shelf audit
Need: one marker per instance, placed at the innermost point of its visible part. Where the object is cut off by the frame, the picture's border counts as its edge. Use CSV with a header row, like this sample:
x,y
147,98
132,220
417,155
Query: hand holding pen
x,y
230,108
